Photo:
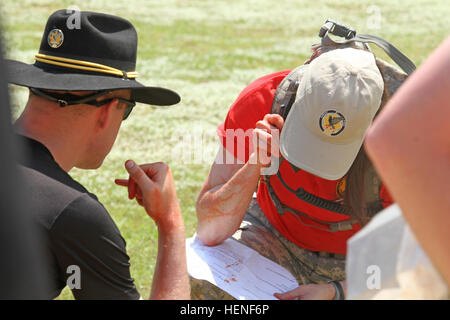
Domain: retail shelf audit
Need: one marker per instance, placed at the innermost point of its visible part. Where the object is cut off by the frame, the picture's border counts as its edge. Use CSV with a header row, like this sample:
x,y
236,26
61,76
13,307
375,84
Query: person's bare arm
x,y
153,187
224,199
227,192
170,280
409,143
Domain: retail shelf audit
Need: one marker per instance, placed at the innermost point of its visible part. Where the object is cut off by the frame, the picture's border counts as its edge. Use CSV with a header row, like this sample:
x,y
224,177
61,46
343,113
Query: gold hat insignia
x,y
55,38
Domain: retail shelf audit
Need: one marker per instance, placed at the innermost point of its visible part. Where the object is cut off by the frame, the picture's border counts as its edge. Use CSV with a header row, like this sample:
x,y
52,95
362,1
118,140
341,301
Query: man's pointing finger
x,y
139,176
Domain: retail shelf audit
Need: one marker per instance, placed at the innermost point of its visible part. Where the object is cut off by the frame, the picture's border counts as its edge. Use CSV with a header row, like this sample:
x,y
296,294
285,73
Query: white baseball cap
x,y
337,97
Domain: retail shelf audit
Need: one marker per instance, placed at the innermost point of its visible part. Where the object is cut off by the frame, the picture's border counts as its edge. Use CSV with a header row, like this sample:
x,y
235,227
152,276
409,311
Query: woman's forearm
x,y
221,209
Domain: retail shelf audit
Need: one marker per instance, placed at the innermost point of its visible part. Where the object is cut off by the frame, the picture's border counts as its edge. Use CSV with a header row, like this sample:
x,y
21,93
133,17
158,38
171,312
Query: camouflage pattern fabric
x,y
256,232
393,78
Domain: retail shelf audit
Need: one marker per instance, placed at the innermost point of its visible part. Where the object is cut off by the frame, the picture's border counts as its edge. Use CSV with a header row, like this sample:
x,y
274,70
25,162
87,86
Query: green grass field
x,y
207,50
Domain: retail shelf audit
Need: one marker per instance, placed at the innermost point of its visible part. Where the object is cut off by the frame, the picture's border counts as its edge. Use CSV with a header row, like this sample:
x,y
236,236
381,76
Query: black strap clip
x,y
62,103
337,28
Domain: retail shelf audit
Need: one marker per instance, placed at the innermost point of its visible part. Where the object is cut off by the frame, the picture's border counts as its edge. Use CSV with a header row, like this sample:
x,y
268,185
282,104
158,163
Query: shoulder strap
x,y
350,35
282,208
285,94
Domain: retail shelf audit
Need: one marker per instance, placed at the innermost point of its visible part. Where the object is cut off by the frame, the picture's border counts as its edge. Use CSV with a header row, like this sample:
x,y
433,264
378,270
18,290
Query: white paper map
x,y
238,270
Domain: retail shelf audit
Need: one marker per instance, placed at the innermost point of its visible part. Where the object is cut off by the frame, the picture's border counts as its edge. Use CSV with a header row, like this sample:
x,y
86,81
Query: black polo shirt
x,y
82,244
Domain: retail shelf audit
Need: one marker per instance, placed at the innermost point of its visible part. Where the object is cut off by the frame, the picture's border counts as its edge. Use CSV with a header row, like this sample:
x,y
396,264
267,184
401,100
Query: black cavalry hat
x,y
98,53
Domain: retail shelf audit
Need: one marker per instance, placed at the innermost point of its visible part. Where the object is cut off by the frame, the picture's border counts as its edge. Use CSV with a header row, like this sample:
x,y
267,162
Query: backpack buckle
x,y
337,28
342,226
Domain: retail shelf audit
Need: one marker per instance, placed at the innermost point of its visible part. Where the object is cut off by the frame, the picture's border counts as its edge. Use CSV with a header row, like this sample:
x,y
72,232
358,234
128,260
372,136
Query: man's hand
x,y
309,292
153,188
266,142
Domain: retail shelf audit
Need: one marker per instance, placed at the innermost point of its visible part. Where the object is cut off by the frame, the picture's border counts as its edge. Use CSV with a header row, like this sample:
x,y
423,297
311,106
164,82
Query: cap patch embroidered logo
x,y
332,123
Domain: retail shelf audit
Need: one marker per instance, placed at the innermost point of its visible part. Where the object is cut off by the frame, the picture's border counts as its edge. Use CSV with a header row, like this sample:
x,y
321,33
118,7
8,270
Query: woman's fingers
x,y
263,125
267,142
262,141
289,295
275,120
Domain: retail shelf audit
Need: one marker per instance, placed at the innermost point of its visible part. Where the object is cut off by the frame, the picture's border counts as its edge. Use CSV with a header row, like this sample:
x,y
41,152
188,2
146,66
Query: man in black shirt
x,y
82,86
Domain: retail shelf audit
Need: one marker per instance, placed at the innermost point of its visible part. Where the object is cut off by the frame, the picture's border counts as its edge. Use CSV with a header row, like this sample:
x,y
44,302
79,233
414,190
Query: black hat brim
x,y
32,76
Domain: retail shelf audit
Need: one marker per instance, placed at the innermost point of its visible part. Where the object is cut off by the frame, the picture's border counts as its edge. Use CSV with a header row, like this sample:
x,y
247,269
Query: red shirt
x,y
252,104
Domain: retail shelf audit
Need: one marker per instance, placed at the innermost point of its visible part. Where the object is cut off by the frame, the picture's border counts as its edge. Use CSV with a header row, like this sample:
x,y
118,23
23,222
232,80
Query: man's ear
x,y
104,113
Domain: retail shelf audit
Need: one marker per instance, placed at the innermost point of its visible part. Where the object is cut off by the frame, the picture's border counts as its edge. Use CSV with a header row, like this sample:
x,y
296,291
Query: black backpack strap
x,y
314,200
285,94
350,35
374,206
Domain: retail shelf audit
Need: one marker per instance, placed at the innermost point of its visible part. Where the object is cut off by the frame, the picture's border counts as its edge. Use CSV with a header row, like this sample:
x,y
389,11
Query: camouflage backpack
x,y
285,96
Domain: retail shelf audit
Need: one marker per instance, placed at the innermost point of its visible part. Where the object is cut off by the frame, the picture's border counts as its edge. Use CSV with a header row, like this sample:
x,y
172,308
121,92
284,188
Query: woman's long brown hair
x,y
355,191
